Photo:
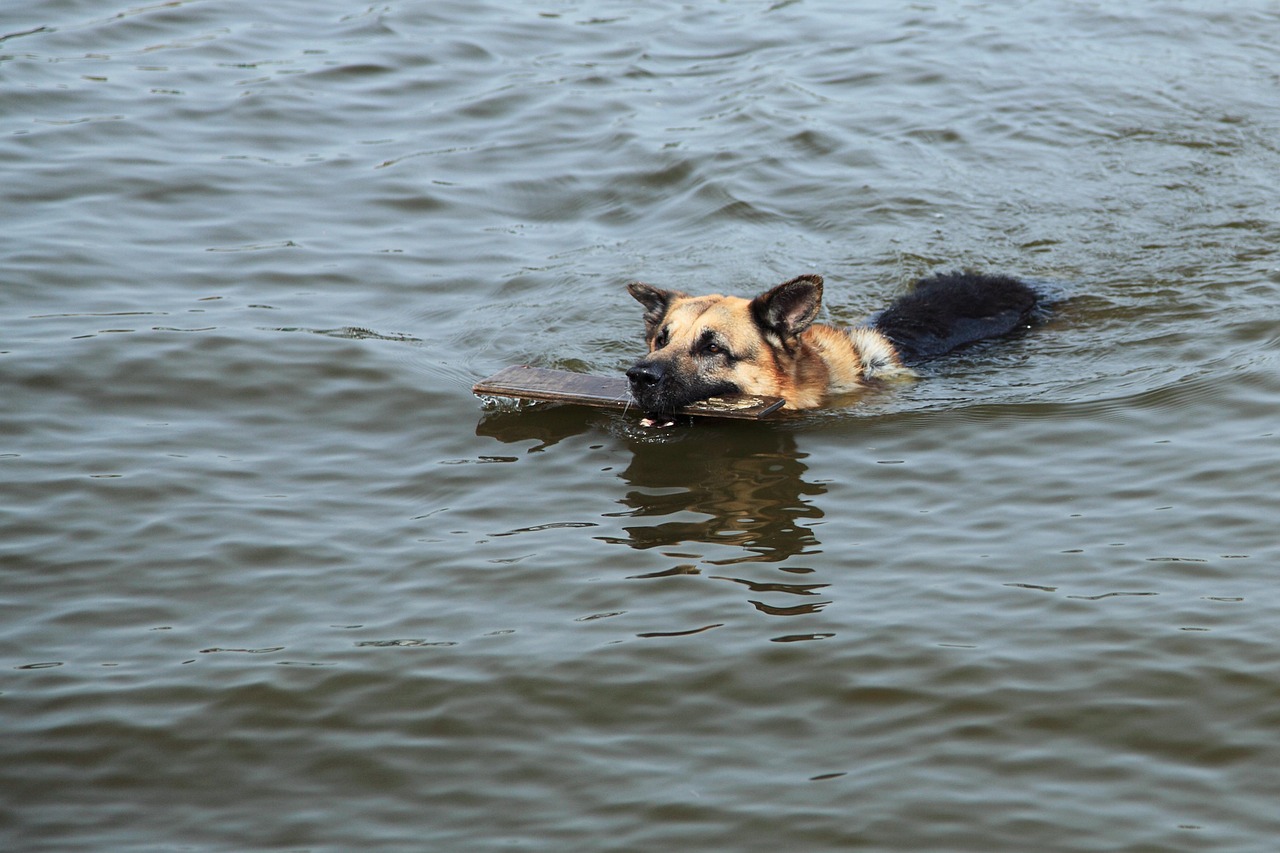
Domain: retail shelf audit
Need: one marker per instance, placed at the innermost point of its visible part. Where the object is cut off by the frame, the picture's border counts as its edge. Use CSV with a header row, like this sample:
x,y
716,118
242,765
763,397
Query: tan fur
x,y
703,346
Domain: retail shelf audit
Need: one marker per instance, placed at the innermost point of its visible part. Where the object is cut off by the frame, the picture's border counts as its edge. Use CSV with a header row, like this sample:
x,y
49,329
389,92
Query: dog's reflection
x,y
738,488
710,495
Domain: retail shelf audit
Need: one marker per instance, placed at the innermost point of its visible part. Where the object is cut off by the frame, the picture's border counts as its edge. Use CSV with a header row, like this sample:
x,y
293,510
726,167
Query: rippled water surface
x,y
272,578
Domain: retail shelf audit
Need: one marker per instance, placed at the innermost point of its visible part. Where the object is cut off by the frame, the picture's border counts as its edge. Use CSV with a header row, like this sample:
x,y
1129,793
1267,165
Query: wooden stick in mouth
x,y
610,392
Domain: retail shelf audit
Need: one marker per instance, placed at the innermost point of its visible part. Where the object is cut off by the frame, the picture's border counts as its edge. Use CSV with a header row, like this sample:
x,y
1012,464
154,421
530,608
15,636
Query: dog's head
x,y
706,346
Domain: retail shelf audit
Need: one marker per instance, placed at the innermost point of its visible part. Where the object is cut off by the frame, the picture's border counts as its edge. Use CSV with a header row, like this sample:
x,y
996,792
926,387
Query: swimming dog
x,y
708,346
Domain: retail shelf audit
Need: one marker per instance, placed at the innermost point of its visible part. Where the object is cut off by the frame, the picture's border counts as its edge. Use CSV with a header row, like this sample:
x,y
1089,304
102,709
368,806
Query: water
x,y
274,579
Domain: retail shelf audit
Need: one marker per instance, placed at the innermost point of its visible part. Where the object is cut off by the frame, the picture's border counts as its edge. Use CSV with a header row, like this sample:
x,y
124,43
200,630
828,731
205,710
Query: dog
x,y
709,346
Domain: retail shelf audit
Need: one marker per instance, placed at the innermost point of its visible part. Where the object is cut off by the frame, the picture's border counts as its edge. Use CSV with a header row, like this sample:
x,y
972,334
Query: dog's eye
x,y
663,338
709,344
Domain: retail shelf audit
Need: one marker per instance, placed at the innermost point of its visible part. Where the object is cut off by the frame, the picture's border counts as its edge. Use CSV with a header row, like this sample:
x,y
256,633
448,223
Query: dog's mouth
x,y
661,392
658,421
657,411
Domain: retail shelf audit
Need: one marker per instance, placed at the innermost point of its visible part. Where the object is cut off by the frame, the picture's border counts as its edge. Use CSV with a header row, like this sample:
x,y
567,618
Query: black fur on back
x,y
949,310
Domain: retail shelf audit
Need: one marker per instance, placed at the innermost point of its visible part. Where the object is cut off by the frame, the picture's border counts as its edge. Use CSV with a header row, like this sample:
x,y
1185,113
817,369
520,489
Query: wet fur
x,y
706,346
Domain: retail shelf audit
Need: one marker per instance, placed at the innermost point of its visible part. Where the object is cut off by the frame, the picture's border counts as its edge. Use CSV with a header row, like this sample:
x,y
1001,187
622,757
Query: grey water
x,y
272,578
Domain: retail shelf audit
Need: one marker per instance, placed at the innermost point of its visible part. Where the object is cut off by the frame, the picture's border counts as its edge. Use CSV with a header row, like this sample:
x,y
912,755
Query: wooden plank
x,y
609,392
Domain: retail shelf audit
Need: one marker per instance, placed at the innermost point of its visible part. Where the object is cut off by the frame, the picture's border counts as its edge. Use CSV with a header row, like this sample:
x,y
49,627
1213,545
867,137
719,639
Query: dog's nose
x,y
645,375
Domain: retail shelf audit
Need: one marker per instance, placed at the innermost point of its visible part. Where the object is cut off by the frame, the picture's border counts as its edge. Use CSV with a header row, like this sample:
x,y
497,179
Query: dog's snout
x,y
645,374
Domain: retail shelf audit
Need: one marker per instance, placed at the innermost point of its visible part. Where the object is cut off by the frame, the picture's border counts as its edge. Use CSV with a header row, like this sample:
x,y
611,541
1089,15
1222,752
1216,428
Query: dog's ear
x,y
789,308
655,300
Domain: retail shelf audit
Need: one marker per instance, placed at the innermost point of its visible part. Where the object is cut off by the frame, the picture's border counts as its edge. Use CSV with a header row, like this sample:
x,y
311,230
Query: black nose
x,y
645,375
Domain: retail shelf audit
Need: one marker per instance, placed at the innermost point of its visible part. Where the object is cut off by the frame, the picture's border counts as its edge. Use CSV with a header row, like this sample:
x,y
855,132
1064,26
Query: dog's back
x,y
949,310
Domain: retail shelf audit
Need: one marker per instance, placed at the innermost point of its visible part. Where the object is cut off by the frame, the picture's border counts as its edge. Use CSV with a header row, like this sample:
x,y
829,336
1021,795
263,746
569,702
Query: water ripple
x,y
271,572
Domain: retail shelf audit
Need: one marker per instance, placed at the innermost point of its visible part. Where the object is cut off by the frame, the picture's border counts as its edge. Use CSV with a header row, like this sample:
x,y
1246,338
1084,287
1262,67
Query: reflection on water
x,y
749,491
744,483
739,490
547,424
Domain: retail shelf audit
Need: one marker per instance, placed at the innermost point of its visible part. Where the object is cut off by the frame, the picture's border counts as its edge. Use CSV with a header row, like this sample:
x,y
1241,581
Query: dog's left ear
x,y
655,300
789,308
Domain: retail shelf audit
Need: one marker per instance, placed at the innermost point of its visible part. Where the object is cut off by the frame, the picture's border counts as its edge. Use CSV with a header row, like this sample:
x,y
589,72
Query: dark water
x,y
272,578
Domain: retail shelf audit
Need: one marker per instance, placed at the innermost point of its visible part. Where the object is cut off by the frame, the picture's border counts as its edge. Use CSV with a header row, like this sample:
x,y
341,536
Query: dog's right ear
x,y
655,300
789,308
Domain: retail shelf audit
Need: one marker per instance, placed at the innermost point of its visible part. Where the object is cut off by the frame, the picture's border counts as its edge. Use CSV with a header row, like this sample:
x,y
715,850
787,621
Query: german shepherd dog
x,y
707,346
